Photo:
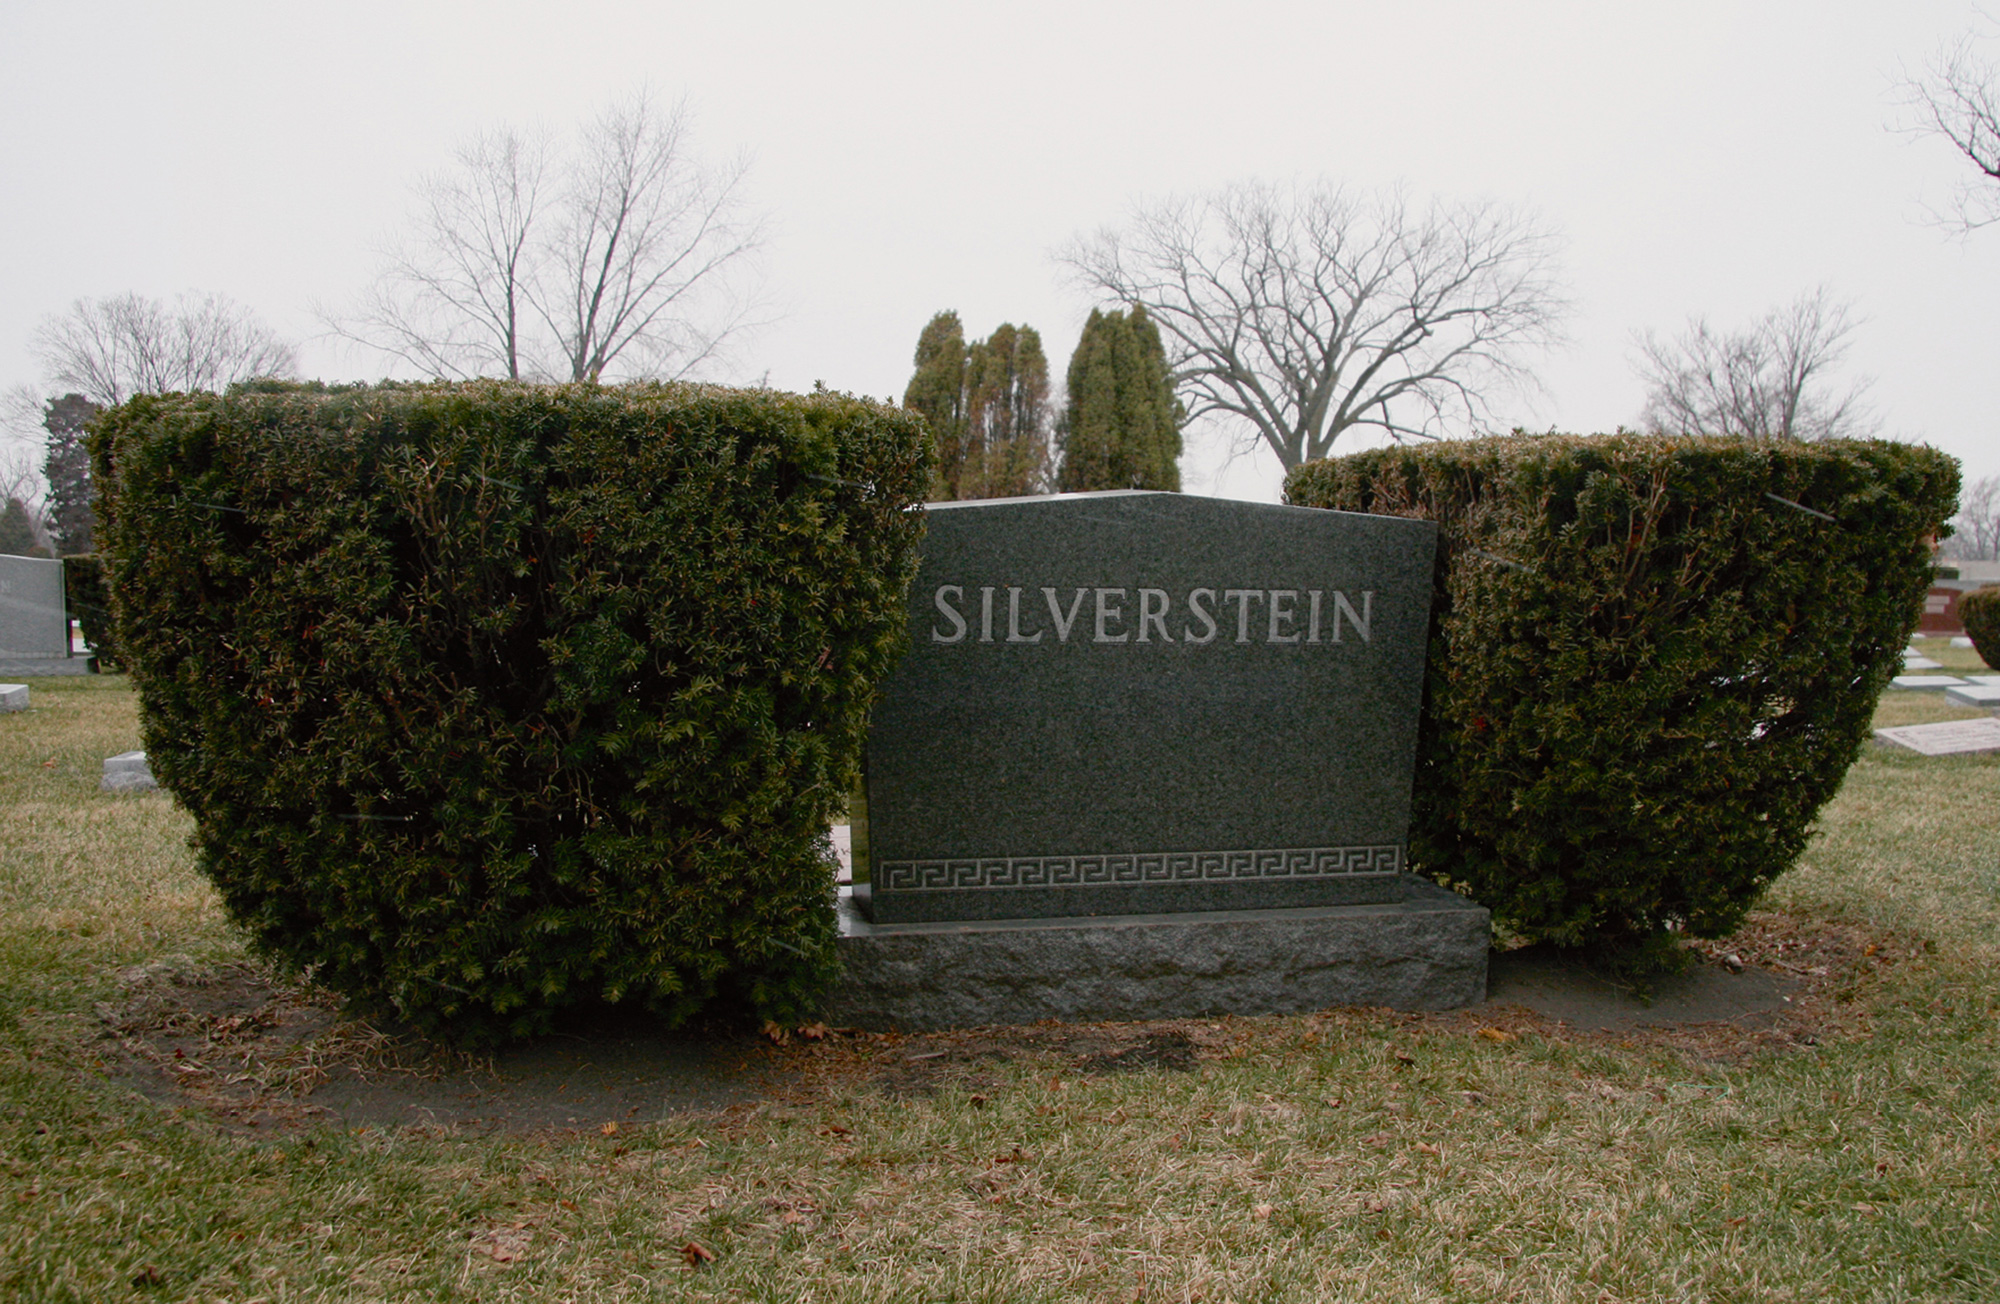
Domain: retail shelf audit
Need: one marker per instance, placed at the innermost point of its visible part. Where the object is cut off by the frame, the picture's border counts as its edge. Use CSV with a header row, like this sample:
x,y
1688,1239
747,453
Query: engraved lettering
x,y
1204,614
1312,619
1014,634
1242,598
1281,611
1342,607
986,614
1154,616
951,614
1063,623
1112,612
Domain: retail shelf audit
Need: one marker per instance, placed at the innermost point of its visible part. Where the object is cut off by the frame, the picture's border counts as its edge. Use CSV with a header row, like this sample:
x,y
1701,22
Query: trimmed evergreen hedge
x,y
1980,612
492,699
1652,659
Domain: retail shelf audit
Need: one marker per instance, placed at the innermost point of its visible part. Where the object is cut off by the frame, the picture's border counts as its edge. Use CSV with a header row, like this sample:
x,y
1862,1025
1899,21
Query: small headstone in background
x,y
1984,681
127,772
1911,661
1933,682
1984,696
13,697
1951,738
843,852
1961,641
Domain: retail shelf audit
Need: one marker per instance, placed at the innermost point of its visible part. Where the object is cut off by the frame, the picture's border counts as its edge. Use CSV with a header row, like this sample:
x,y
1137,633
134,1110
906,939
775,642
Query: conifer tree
x,y
68,470
987,407
1122,426
17,531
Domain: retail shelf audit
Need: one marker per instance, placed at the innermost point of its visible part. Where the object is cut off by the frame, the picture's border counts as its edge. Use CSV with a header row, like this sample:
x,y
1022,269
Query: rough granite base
x,y
1426,951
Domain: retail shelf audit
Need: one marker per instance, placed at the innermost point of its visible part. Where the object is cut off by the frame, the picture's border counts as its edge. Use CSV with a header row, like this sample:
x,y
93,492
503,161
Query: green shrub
x,y
83,585
1980,610
494,699
1652,659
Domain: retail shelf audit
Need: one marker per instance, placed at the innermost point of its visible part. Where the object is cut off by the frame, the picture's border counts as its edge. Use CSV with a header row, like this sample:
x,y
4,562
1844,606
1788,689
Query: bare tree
x,y
110,349
1976,529
1308,311
1957,97
617,256
454,300
1767,382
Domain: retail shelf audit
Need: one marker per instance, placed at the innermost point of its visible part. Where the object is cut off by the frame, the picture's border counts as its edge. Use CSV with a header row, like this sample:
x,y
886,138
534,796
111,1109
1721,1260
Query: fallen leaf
x,y
777,1034
813,1031
835,1129
793,1216
1261,1212
1737,1221
977,1102
696,1254
1496,1034
1403,1056
1864,1208
1334,1102
568,1204
609,1129
1426,1148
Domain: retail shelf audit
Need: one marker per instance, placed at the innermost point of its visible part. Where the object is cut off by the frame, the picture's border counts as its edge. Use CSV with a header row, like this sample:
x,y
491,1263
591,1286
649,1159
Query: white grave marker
x,y
1952,738
1934,682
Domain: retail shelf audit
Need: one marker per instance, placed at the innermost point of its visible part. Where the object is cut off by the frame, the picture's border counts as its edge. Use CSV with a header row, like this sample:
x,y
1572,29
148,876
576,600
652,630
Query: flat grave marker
x,y
1984,696
1949,738
1933,683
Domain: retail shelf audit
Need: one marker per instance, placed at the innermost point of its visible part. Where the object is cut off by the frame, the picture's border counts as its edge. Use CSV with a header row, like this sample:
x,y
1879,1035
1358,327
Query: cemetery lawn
x,y
1847,1149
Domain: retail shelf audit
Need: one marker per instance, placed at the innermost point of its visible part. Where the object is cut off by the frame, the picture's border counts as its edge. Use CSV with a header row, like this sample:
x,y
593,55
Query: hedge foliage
x,y
493,699
1652,659
83,586
1980,611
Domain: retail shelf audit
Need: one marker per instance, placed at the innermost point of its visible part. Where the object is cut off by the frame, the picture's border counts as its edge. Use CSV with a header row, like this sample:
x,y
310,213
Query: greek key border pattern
x,y
982,872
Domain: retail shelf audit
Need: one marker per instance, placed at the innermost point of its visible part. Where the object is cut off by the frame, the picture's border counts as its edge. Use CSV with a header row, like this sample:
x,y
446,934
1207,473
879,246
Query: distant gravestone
x,y
13,697
1932,683
1950,738
34,622
1911,661
1984,696
1137,702
127,772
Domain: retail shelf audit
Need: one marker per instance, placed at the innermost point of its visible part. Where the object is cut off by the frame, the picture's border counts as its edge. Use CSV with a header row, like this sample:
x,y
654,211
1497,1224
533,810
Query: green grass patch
x,y
1353,1155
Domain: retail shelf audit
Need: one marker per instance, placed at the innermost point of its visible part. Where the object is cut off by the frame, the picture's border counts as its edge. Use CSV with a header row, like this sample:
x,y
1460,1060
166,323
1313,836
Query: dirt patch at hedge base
x,y
256,1052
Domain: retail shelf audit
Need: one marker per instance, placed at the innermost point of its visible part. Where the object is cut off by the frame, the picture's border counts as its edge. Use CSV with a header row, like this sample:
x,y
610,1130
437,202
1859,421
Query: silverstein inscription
x,y
1136,703
1113,620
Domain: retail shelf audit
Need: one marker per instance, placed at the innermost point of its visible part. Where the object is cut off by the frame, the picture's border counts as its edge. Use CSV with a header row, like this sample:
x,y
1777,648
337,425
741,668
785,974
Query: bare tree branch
x,y
1768,382
1976,529
1306,311
1957,98
110,349
619,255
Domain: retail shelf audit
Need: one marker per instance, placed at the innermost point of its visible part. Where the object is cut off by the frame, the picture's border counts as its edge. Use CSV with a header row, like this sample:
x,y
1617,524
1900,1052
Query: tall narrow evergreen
x,y
987,406
1122,427
937,390
68,470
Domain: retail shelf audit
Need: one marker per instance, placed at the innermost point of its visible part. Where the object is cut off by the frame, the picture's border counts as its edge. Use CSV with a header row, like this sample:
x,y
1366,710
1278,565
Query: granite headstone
x,y
1139,702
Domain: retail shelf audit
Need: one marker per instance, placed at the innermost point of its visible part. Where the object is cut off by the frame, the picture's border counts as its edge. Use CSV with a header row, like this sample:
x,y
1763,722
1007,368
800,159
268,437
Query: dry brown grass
x,y
1353,1155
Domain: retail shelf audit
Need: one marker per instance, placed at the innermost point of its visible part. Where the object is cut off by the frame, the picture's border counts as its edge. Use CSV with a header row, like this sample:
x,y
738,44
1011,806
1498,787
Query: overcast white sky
x,y
1701,158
